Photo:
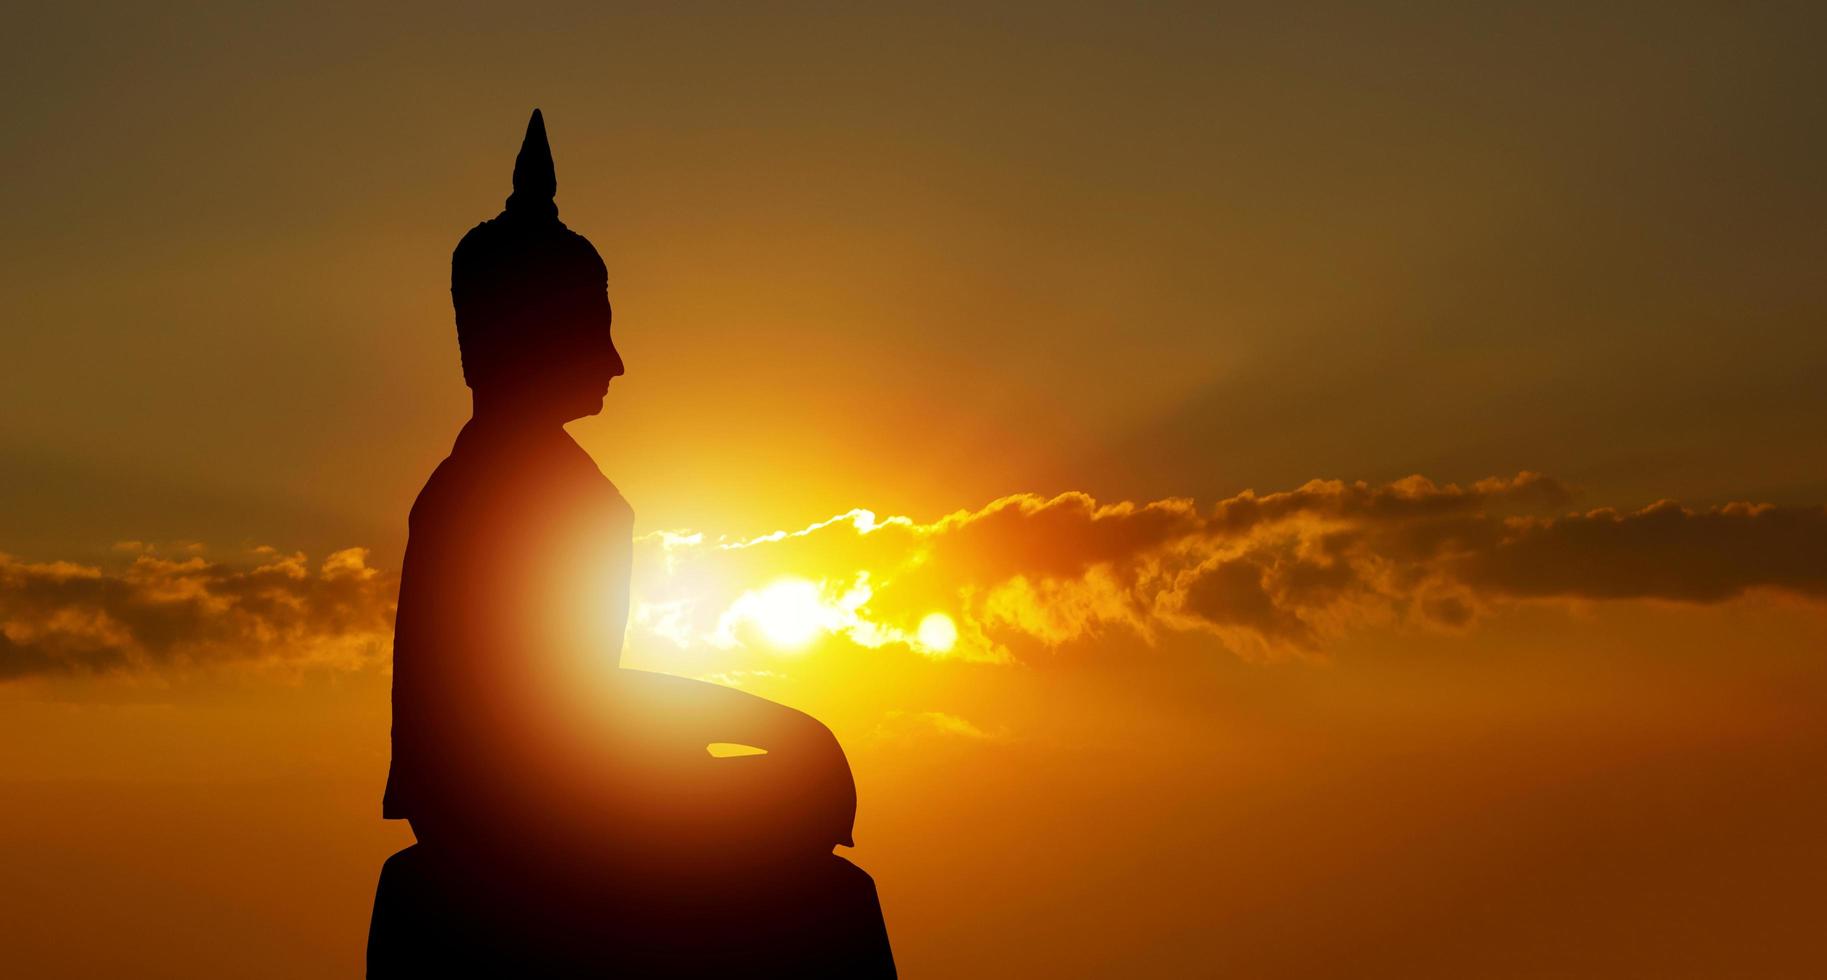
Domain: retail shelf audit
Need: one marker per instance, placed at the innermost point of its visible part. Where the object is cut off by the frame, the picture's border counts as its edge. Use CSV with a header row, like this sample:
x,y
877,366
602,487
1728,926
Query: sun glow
x,y
937,633
790,613
848,580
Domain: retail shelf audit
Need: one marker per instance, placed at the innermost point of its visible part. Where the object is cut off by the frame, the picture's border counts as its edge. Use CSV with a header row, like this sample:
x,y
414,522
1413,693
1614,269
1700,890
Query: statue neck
x,y
513,411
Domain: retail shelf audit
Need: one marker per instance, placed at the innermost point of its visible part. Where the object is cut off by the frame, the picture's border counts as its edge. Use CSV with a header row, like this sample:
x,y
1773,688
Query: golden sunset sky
x,y
1276,491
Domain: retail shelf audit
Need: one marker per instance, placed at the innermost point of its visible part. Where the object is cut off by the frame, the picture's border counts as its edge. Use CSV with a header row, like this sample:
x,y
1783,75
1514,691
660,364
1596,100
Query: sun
x,y
789,613
937,633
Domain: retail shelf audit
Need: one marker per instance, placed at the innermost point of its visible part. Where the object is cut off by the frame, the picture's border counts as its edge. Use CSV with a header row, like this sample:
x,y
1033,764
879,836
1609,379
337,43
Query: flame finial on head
x,y
535,180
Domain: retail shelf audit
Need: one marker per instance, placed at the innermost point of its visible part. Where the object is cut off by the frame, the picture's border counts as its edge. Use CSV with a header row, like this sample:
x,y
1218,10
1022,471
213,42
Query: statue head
x,y
532,303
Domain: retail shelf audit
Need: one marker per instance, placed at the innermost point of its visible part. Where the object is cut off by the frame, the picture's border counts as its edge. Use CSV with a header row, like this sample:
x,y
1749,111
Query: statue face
x,y
559,363
597,362
575,379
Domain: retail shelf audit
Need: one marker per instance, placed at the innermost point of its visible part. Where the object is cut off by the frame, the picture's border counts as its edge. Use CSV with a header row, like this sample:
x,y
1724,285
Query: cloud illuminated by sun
x,y
1268,574
790,614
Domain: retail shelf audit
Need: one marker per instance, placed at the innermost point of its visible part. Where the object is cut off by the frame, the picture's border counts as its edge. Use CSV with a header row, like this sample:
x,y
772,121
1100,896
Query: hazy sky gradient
x,y
915,262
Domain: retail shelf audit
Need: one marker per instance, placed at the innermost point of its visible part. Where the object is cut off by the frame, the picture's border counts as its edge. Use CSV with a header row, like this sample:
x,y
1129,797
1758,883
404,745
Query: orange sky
x,y
1086,297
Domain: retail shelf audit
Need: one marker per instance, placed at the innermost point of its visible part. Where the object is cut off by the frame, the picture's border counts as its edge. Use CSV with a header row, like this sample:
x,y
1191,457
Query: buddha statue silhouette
x,y
571,821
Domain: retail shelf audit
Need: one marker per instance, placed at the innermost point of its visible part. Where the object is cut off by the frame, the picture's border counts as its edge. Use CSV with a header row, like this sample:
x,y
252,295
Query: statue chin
x,y
588,407
578,404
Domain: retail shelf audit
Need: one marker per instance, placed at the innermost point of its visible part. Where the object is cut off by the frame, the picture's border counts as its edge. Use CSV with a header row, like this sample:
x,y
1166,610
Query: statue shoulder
x,y
603,488
617,505
434,496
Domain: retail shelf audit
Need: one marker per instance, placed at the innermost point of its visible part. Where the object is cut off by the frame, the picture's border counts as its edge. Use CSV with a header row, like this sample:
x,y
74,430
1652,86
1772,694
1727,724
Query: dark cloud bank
x,y
156,612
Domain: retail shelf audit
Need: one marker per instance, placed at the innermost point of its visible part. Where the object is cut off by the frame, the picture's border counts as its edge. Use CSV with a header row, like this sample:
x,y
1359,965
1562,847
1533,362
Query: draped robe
x,y
511,717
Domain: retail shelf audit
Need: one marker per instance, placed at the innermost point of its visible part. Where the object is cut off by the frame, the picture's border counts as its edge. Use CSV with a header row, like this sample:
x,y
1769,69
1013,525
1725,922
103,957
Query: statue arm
x,y
803,756
702,713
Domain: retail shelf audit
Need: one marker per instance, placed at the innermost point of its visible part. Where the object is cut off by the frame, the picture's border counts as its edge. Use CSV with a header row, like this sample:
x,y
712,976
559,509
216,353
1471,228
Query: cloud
x,y
62,618
1265,574
1663,551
